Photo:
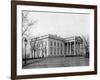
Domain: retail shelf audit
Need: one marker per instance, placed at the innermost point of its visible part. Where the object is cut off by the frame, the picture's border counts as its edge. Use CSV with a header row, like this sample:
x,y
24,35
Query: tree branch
x,y
29,25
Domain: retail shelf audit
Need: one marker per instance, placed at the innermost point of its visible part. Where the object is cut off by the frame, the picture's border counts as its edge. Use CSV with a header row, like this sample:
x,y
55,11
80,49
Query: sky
x,y
61,24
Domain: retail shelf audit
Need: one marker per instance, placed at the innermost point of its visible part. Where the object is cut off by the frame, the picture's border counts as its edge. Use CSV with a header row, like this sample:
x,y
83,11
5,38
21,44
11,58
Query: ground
x,y
56,62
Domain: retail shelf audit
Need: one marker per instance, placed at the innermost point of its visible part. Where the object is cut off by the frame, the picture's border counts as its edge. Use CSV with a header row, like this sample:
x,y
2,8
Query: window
x,y
61,44
54,43
51,43
58,44
51,51
61,51
38,44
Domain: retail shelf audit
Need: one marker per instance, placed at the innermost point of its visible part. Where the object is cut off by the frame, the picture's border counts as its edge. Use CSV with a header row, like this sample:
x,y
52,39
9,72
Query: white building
x,y
52,45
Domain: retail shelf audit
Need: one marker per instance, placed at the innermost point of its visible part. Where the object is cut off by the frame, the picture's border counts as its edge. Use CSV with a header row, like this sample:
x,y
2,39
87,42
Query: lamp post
x,y
25,41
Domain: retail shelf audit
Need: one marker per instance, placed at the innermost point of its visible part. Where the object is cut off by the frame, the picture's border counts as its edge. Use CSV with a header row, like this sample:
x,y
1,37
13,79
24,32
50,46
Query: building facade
x,y
52,45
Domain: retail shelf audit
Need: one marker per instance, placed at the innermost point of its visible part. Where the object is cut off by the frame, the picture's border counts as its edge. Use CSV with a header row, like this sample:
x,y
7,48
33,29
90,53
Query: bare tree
x,y
86,44
26,26
26,23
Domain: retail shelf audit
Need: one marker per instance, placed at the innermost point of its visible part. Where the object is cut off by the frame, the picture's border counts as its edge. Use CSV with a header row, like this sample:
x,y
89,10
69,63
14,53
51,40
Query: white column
x,y
82,51
70,48
77,49
67,50
74,49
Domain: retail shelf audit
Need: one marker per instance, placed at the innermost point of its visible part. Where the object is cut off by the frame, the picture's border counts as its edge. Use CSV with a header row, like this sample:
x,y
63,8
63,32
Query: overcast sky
x,y
62,24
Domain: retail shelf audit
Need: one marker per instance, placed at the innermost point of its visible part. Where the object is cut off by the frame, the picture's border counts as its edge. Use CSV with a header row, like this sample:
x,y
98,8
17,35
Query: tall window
x,y
54,43
51,43
51,50
61,44
58,50
61,51
58,44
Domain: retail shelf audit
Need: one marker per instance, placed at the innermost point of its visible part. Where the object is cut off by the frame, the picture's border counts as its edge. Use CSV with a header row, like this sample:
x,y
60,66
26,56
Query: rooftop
x,y
58,37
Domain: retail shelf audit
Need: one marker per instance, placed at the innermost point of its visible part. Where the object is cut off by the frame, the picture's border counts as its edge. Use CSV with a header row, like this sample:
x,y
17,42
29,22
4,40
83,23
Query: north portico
x,y
74,46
